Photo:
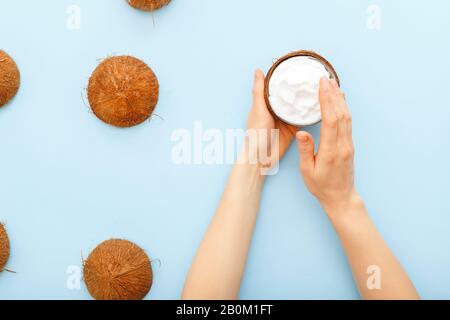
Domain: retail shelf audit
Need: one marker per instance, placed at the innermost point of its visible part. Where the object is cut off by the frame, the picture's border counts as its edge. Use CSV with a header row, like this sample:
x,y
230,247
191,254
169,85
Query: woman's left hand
x,y
261,120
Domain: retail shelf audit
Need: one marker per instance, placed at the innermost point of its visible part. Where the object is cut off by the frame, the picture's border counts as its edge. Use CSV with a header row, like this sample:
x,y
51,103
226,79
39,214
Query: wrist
x,y
247,162
252,157
347,210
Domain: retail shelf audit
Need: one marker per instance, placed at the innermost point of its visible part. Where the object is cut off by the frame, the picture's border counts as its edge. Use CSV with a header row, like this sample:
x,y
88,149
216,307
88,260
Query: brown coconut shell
x,y
123,91
4,247
148,5
9,78
118,270
304,53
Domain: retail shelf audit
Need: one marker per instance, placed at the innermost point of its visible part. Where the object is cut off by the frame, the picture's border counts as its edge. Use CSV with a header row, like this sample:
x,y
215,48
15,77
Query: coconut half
x,y
148,5
4,247
123,91
9,78
118,270
301,53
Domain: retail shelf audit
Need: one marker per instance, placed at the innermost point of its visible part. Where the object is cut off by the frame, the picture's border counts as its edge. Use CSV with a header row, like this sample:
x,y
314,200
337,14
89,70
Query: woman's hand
x,y
329,175
218,266
262,122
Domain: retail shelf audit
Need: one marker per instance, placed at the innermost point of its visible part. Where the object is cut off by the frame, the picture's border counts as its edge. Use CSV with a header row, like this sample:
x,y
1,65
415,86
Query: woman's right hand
x,y
329,174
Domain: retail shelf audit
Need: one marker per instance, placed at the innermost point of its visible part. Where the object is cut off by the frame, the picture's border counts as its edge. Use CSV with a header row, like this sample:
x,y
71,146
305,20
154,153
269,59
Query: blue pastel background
x,y
68,181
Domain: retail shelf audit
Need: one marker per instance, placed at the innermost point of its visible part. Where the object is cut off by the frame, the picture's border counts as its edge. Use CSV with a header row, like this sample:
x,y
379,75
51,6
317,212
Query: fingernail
x,y
334,84
325,83
257,73
302,137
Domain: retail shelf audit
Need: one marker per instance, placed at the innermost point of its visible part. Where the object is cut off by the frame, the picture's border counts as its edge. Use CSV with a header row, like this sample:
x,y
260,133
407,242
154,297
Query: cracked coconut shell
x,y
118,270
304,53
123,91
9,78
4,247
148,5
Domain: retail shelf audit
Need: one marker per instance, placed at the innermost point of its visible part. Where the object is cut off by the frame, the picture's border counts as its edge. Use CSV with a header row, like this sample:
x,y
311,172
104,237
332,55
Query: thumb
x,y
258,90
306,148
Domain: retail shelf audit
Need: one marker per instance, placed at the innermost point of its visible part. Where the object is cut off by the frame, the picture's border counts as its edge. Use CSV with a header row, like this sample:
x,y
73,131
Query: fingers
x,y
306,148
328,136
258,90
338,102
336,132
343,116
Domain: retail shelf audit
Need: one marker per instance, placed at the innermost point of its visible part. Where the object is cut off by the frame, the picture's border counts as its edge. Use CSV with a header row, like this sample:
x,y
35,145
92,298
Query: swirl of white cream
x,y
294,90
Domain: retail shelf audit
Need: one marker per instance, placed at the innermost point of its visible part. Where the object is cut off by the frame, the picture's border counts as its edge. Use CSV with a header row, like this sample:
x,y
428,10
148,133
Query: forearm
x,y
218,267
369,256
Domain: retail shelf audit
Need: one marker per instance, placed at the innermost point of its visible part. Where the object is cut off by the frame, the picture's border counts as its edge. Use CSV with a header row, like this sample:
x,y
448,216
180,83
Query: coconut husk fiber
x,y
148,5
118,270
4,247
9,78
123,91
300,53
